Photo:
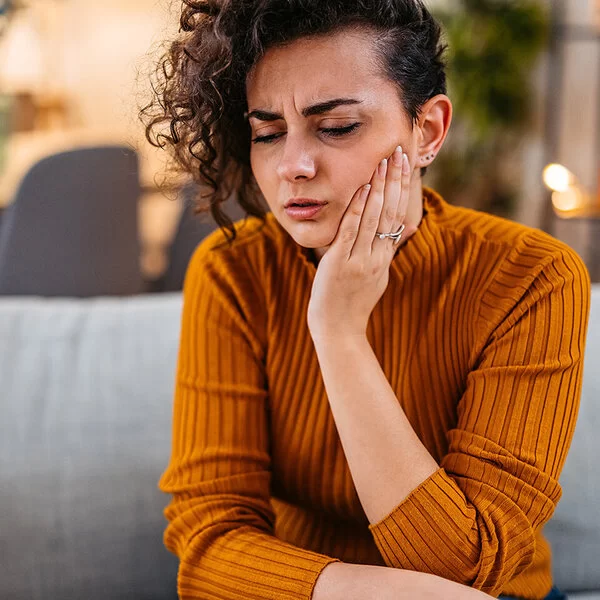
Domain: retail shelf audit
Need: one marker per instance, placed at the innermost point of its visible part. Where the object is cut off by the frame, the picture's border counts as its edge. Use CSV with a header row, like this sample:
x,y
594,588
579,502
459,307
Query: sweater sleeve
x,y
220,518
474,520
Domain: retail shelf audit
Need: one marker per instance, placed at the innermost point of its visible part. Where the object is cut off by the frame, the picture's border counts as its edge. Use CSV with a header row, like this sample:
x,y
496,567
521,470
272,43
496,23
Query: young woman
x,y
376,390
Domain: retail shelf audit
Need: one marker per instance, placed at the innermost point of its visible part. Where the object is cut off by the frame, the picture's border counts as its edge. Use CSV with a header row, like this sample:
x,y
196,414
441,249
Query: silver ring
x,y
397,236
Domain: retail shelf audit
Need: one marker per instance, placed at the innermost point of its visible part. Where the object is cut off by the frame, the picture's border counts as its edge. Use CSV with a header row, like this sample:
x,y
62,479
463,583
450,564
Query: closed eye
x,y
266,139
339,131
330,131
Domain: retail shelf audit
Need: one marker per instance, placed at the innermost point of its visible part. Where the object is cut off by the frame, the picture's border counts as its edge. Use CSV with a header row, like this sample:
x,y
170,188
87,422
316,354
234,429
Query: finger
x,y
404,194
348,230
372,213
391,195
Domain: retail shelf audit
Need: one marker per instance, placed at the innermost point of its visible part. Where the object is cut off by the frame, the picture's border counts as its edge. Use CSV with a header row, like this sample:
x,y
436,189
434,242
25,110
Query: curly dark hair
x,y
199,104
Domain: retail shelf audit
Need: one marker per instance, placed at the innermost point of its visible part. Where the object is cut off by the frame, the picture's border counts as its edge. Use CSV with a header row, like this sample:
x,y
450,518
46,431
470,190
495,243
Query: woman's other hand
x,y
345,581
354,272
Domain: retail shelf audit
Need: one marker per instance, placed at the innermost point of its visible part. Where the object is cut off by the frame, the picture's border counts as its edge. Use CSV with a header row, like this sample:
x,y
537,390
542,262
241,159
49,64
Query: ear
x,y
434,123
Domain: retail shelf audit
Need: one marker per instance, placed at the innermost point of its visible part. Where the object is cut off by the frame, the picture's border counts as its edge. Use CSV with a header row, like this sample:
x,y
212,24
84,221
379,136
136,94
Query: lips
x,y
304,213
303,202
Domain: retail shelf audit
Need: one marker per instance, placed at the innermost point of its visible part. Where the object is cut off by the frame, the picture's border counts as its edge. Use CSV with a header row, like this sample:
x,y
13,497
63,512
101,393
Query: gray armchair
x,y
191,230
72,229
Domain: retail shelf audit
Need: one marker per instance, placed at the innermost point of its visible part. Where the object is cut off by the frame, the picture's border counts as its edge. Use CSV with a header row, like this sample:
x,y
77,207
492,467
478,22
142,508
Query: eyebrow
x,y
309,111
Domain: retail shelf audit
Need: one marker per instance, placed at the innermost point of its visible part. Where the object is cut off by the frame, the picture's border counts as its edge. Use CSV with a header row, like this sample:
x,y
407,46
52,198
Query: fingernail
x,y
383,167
365,191
397,156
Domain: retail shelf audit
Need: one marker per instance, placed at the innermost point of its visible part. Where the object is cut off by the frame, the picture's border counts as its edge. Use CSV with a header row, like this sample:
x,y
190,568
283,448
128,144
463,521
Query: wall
x,y
107,48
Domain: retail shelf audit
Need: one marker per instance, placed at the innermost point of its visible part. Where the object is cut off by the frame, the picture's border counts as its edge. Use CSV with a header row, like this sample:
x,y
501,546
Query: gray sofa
x,y
85,426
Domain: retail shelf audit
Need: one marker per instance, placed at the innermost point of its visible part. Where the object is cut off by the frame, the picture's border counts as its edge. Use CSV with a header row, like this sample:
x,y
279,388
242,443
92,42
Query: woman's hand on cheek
x,y
354,272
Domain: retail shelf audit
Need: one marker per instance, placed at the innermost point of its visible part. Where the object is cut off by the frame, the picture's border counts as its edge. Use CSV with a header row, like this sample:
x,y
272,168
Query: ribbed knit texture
x,y
480,333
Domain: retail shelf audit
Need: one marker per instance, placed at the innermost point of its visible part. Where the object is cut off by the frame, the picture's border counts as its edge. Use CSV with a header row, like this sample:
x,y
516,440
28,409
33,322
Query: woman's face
x,y
298,96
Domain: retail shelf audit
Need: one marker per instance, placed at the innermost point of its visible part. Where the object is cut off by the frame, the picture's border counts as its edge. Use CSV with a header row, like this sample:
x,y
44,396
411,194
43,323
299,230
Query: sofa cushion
x,y
574,531
85,429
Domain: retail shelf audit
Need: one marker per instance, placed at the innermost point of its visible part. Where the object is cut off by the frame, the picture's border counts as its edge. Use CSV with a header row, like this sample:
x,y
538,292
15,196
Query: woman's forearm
x,y
345,581
386,458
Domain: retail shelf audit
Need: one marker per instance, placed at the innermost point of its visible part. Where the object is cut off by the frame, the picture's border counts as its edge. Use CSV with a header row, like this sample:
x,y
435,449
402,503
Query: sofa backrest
x,y
86,397
574,530
86,392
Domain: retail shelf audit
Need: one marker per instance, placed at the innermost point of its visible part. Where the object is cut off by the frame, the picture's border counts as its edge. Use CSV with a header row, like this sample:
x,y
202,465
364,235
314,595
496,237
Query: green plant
x,y
493,47
7,9
5,113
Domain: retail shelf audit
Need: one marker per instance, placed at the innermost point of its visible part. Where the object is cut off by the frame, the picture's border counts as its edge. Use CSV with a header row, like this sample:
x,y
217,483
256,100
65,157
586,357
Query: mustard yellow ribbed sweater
x,y
480,333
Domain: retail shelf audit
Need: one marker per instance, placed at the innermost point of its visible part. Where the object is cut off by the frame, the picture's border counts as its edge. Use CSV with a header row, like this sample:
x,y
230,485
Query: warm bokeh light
x,y
558,178
22,63
568,195
568,200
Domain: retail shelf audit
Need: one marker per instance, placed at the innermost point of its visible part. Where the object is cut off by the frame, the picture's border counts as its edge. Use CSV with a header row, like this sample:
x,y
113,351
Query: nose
x,y
297,161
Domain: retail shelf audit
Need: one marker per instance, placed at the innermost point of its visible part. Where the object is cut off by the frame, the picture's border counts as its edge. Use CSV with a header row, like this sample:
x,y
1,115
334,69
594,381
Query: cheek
x,y
255,166
261,171
357,171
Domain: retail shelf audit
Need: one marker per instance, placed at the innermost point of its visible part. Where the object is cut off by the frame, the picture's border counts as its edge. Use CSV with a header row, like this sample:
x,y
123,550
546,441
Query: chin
x,y
309,234
311,240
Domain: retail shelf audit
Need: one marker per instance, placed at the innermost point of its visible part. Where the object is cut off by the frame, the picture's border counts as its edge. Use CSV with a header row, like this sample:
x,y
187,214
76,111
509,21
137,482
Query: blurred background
x,y
77,176
86,382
